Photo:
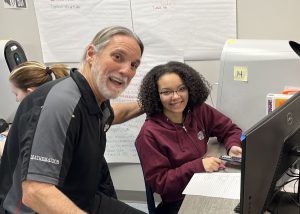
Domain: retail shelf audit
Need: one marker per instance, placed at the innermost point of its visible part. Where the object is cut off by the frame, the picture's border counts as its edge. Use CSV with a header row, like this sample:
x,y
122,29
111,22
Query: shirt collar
x,y
86,91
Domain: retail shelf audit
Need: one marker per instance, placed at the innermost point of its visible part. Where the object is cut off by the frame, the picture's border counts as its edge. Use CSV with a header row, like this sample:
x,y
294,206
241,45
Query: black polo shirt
x,y
57,137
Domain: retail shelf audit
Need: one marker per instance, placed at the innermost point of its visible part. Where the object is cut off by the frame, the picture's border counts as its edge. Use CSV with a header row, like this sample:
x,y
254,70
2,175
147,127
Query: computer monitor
x,y
270,149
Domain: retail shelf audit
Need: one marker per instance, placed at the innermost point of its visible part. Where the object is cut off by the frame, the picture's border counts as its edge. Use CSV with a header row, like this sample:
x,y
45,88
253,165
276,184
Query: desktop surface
x,y
194,204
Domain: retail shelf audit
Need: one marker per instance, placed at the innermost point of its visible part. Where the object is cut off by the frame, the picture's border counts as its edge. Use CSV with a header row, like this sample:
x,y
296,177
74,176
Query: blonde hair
x,y
33,74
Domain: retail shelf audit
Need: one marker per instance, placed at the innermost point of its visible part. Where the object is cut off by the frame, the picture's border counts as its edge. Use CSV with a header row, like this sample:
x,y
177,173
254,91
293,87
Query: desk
x,y
194,204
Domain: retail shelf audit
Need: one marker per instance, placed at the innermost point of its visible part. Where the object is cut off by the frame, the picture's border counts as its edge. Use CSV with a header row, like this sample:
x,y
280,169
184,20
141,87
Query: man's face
x,y
115,66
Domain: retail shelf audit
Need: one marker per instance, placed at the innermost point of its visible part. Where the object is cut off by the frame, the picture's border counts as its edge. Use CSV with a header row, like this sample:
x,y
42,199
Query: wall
x,y
269,19
21,25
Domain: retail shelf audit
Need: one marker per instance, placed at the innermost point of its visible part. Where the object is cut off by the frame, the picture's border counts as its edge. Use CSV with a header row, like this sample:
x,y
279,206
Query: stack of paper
x,y
220,185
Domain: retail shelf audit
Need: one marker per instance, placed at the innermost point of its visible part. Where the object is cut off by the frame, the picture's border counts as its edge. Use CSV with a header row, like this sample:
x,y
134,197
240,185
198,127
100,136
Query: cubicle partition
x,y
249,70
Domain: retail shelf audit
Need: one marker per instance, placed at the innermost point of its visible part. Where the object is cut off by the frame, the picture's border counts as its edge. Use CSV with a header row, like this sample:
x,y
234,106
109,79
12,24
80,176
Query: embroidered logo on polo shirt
x,y
106,127
200,135
44,159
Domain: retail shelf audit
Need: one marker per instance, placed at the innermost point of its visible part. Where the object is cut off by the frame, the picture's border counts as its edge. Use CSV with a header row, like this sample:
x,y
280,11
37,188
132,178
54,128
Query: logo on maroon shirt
x,y
200,135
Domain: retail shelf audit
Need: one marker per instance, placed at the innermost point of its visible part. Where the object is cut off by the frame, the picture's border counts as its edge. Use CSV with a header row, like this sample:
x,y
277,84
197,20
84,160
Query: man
x,y
53,161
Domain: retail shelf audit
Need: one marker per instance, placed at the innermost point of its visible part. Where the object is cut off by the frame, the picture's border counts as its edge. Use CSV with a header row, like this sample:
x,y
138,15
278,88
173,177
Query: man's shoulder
x,y
56,96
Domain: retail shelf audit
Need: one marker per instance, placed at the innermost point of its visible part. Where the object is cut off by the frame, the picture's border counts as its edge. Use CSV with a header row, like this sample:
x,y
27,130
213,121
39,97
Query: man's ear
x,y
90,53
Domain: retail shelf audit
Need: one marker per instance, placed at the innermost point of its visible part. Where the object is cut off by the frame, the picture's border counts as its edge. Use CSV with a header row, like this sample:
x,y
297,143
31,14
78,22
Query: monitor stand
x,y
287,202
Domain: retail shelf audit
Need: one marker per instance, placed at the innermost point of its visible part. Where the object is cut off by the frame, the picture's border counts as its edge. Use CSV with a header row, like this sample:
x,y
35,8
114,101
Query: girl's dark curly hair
x,y
148,96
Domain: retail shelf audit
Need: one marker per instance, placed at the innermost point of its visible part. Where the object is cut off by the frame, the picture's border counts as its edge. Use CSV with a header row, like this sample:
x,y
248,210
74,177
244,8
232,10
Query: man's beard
x,y
101,80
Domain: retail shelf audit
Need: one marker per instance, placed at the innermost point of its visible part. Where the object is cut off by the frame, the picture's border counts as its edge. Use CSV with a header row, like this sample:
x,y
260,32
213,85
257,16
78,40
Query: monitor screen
x,y
270,149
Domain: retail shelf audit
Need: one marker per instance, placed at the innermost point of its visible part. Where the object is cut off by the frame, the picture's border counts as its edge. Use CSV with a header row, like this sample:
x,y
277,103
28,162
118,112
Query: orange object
x,y
291,91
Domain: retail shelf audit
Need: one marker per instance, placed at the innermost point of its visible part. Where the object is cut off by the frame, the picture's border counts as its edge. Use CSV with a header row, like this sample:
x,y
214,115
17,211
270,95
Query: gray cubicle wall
x,y
269,19
268,67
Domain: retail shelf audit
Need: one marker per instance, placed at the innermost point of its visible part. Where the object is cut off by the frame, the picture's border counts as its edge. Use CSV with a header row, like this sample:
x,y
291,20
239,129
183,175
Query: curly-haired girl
x,y
173,140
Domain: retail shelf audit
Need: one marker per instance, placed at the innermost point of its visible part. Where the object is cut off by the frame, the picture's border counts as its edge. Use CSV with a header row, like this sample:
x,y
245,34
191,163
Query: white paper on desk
x,y
220,185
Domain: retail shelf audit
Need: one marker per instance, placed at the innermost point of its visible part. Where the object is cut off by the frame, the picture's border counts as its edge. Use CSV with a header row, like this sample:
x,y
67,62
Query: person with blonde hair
x,y
29,75
26,77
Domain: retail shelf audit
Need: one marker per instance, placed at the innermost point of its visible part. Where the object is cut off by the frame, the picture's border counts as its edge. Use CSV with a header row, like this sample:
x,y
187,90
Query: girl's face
x,y
20,93
173,93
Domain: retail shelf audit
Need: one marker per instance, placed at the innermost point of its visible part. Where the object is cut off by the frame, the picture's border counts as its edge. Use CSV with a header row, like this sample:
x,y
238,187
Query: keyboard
x,y
237,208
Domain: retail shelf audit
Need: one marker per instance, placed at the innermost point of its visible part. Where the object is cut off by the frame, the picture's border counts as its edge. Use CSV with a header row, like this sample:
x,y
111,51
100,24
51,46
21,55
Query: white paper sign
x,y
198,28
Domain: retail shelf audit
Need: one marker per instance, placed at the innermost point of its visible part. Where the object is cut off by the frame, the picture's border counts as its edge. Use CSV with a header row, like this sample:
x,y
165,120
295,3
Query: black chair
x,y
150,199
3,125
149,194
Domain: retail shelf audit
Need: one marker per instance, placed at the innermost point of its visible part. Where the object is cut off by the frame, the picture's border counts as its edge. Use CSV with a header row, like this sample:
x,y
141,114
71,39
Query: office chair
x,y
149,193
3,125
150,199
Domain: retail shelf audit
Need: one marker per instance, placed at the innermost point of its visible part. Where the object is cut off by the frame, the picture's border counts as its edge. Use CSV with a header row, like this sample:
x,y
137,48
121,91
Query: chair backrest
x,y
149,193
150,199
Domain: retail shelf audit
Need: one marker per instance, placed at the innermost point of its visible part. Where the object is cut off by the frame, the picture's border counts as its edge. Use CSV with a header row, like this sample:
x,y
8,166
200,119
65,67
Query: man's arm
x,y
46,198
125,111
